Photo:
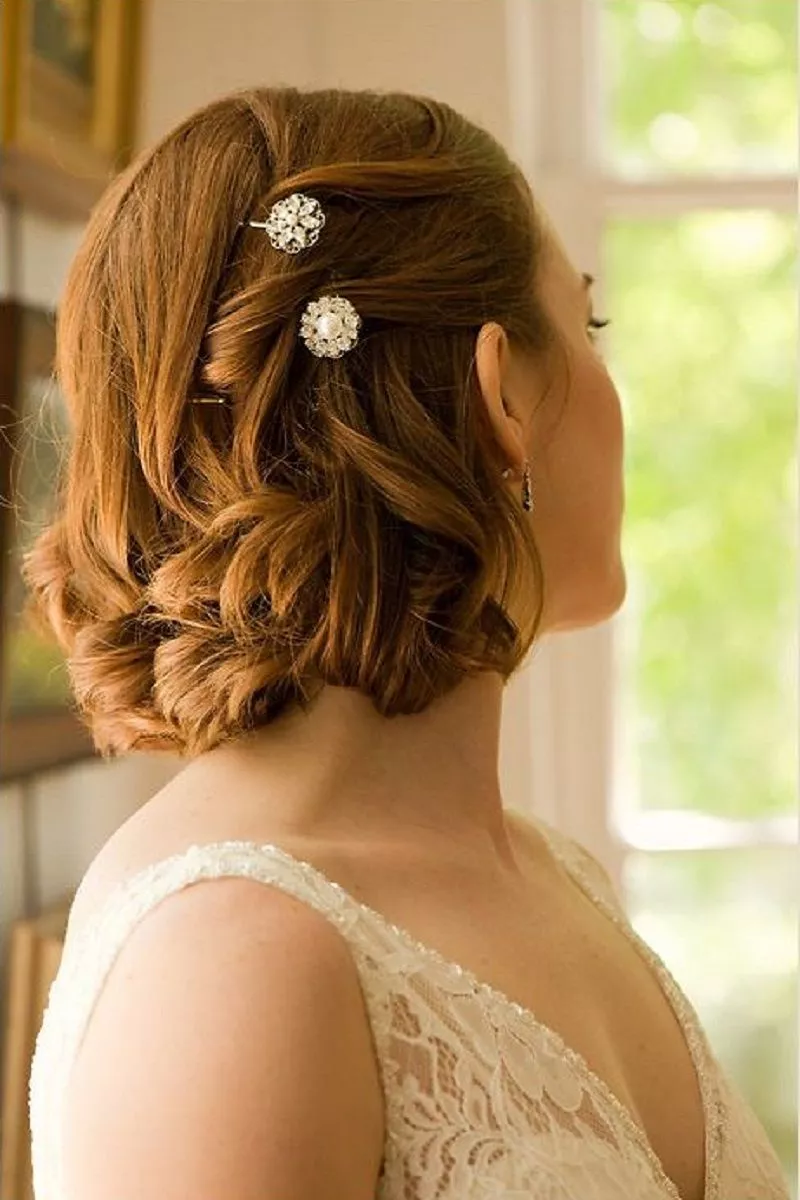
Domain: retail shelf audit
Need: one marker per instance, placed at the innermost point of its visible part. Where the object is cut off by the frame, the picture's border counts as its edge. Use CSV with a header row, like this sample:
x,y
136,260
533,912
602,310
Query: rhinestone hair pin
x,y
294,223
329,325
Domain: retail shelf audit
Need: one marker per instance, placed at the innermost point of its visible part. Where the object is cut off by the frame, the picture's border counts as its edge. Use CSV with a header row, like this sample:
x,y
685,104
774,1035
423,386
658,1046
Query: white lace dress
x,y
483,1101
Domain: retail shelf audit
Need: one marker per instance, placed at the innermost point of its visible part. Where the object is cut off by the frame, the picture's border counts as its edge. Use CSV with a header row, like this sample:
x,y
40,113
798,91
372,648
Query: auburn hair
x,y
339,521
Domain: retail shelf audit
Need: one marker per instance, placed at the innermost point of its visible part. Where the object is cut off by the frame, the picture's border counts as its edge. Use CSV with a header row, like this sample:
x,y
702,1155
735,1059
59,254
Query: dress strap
x,y
91,957
582,862
87,960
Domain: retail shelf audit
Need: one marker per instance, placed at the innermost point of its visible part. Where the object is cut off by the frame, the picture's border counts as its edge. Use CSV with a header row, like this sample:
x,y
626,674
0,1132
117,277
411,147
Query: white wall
x,y
52,824
453,49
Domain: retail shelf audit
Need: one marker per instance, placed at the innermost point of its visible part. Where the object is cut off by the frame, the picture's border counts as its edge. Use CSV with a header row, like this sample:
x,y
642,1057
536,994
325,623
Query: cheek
x,y
580,455
599,403
588,427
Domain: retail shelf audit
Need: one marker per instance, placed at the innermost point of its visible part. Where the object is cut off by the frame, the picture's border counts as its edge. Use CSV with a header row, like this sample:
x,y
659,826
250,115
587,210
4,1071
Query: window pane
x,y
725,923
703,352
699,86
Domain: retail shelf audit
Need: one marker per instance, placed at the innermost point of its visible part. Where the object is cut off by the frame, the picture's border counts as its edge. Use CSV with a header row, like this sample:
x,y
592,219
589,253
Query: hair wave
x,y
336,521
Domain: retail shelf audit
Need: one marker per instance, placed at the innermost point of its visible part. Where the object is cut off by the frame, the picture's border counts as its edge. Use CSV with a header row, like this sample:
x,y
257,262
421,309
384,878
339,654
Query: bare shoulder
x,y
167,824
229,1053
121,857
186,812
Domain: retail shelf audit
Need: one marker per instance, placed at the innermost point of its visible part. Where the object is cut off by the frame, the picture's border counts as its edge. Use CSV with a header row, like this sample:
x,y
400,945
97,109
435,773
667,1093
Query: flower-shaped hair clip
x,y
293,224
329,326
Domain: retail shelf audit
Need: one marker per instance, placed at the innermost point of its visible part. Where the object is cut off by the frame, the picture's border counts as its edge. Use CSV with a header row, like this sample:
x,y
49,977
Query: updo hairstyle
x,y
337,521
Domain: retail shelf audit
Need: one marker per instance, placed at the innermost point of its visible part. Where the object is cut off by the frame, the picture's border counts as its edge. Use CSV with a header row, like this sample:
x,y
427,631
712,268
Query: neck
x,y
342,771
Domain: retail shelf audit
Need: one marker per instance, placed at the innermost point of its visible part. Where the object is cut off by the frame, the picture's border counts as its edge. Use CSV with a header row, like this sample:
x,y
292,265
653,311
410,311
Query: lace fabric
x,y
482,1100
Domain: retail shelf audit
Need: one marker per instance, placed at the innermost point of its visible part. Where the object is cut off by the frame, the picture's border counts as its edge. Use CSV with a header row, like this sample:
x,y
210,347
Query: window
x,y
662,138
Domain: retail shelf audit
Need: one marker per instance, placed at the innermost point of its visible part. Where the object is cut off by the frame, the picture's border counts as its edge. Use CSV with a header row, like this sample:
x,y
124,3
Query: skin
x,y
573,441
341,771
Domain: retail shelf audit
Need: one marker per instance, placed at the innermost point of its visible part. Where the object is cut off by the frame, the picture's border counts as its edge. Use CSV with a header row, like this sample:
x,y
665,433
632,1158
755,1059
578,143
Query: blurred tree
x,y
695,85
704,347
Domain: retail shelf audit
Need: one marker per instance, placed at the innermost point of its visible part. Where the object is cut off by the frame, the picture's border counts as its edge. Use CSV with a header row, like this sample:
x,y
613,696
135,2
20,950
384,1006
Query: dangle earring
x,y
527,494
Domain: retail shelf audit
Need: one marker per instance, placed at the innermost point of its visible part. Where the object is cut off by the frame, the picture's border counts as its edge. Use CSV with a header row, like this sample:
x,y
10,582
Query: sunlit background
x,y
702,97
662,138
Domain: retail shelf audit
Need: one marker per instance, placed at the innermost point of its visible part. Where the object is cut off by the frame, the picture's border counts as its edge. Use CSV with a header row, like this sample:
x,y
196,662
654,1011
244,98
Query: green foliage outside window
x,y
698,86
704,354
704,351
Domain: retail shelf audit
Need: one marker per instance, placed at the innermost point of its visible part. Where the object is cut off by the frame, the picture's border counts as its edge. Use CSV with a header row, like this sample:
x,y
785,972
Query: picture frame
x,y
39,728
68,83
35,950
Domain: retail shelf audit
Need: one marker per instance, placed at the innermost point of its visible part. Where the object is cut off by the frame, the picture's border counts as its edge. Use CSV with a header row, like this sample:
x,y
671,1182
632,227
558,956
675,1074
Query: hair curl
x,y
336,521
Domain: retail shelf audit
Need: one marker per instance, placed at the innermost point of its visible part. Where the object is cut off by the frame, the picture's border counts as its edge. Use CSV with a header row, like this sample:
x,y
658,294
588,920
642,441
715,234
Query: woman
x,y
343,451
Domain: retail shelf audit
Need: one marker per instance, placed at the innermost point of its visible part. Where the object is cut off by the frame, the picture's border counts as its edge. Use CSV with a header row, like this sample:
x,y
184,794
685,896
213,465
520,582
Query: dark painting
x,y
64,36
68,100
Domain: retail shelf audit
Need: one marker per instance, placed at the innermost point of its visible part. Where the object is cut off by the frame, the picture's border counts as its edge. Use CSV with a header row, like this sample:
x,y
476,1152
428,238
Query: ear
x,y
492,360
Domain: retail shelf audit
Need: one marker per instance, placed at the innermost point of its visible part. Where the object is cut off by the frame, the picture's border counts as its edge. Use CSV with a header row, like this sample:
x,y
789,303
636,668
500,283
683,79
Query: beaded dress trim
x,y
395,969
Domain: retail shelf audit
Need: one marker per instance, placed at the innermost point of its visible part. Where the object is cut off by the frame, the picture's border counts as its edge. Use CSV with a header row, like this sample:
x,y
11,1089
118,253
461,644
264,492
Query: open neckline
x,y
692,1032
693,1036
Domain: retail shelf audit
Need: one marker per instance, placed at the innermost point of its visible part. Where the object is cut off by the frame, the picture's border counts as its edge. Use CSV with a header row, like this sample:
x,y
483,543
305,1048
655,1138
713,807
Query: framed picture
x,y
39,728
35,949
68,73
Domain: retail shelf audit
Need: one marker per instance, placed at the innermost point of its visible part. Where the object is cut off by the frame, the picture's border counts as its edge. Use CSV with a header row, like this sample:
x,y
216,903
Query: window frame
x,y
576,763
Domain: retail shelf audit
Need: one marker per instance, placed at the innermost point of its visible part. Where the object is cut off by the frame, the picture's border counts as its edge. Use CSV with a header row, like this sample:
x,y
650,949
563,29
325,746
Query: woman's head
x,y
562,413
339,521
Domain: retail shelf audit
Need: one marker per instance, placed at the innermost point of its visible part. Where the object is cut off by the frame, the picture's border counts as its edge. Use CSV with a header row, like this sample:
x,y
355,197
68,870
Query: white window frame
x,y
576,755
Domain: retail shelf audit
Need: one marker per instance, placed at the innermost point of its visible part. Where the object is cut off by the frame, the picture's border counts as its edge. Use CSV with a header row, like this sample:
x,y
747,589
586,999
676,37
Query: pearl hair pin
x,y
329,325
